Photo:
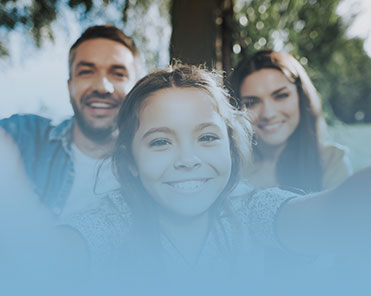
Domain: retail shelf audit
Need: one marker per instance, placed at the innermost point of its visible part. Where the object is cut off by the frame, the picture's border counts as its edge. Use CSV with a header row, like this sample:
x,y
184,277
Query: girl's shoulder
x,y
105,228
258,211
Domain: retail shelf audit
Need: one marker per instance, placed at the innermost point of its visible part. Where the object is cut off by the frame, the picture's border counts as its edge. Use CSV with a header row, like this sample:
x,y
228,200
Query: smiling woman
x,y
285,110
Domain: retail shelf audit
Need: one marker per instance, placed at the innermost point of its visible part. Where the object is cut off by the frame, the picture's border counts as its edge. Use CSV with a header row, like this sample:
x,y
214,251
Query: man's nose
x,y
103,85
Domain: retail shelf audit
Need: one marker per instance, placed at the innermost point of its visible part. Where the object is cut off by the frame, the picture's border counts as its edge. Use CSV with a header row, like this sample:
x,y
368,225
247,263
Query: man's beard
x,y
98,135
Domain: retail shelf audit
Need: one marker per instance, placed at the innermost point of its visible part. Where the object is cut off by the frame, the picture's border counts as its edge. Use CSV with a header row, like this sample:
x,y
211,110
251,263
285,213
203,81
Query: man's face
x,y
102,73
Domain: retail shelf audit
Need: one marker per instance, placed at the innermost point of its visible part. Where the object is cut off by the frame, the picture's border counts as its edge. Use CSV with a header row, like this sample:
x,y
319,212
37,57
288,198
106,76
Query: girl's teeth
x,y
188,185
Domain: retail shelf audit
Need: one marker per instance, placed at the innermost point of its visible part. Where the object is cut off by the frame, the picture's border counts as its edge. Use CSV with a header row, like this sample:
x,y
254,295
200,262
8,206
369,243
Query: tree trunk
x,y
226,31
202,32
194,31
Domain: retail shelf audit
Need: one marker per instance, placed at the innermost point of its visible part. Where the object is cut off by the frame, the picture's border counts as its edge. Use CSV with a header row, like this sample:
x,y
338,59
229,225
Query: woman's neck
x,y
269,152
263,173
186,234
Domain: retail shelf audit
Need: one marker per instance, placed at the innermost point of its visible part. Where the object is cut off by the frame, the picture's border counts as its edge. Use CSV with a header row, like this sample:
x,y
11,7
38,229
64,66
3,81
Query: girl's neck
x,y
186,234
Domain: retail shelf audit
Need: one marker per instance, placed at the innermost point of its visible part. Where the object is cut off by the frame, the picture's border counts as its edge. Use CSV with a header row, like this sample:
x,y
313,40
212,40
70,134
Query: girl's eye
x,y
282,96
208,138
159,143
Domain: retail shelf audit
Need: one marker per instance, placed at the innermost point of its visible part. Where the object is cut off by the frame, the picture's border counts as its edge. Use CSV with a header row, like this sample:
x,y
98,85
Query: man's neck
x,y
89,147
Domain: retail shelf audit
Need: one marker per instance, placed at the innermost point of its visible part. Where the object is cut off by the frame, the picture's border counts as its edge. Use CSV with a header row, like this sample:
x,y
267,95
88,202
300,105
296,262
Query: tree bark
x,y
194,31
202,32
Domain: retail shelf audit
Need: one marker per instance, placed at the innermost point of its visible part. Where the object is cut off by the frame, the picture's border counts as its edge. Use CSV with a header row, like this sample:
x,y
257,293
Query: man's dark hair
x,y
104,31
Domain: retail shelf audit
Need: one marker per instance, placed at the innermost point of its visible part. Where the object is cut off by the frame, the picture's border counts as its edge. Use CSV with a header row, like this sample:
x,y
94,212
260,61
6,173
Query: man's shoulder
x,y
23,119
31,124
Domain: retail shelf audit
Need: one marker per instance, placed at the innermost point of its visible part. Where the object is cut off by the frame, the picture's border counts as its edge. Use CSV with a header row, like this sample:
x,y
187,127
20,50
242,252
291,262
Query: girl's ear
x,y
133,170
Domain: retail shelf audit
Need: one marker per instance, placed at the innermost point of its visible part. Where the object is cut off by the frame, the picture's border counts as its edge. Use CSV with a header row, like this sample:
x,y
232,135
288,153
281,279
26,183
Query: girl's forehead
x,y
178,97
183,105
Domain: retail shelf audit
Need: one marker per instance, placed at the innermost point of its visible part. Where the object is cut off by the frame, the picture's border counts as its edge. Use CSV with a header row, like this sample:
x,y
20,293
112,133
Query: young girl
x,y
286,115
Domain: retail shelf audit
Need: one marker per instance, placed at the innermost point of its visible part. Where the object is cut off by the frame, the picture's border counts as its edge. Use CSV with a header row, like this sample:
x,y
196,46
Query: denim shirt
x,y
46,154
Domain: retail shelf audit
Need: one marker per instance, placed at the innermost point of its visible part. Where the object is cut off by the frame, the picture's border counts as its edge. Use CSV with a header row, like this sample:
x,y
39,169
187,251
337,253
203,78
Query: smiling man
x,y
63,161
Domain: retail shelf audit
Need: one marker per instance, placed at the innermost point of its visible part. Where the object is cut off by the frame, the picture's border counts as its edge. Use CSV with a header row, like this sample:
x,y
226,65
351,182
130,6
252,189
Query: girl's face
x,y
181,150
274,103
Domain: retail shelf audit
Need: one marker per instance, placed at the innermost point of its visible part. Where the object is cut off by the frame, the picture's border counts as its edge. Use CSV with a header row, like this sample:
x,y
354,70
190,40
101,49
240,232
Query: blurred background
x,y
331,38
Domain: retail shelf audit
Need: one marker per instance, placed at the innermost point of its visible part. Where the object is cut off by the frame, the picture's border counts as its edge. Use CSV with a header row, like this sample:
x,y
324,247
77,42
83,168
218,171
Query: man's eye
x,y
282,96
159,143
84,72
119,74
209,138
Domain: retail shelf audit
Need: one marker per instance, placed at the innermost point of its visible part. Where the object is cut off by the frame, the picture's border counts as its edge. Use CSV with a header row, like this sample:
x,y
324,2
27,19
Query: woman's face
x,y
181,150
274,104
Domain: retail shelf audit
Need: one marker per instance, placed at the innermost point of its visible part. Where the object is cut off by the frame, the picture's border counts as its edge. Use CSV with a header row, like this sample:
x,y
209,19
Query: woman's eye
x,y
282,96
159,143
250,102
209,138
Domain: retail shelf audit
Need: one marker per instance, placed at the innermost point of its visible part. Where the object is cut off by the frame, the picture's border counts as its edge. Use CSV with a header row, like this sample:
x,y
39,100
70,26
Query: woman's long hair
x,y
299,164
177,76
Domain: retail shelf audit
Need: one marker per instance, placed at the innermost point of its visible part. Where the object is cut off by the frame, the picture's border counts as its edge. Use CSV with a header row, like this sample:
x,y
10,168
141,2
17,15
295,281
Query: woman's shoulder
x,y
335,163
333,151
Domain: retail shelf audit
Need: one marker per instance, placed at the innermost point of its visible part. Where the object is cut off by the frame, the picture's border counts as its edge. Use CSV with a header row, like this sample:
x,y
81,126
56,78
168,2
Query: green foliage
x,y
313,32
309,29
144,20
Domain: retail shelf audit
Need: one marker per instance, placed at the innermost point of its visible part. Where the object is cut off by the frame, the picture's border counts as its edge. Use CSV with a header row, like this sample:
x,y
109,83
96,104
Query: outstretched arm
x,y
337,219
29,238
17,196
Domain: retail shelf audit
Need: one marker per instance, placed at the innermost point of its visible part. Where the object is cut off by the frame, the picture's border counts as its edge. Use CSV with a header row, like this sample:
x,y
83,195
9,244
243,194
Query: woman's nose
x,y
268,110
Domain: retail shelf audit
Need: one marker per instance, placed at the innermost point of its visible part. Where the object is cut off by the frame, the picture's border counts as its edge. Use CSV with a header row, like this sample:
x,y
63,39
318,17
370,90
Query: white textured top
x,y
251,221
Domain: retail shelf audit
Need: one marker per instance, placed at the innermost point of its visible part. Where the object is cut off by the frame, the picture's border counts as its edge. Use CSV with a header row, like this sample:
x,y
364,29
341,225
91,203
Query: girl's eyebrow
x,y
205,125
153,130
278,90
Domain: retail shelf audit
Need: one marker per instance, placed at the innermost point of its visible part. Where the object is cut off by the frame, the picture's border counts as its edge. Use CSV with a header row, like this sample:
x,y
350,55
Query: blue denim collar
x,y
63,132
